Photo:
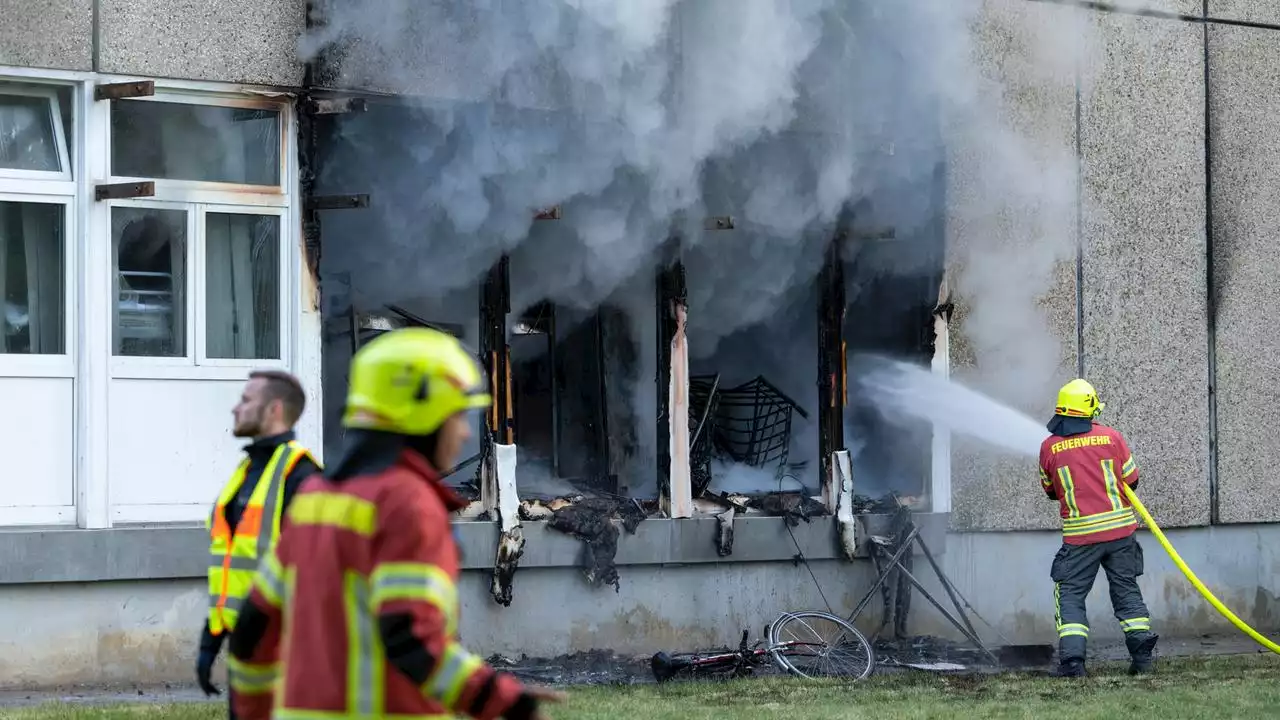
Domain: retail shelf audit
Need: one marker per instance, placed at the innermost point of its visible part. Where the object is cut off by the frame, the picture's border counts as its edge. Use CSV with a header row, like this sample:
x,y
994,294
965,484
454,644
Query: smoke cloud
x,y
643,118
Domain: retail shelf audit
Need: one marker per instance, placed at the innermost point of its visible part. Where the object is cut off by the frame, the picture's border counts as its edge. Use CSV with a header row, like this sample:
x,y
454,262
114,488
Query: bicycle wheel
x,y
815,644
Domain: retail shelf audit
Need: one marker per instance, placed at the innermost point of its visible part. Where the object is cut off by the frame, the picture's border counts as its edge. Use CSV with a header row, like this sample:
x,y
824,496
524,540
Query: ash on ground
x,y
935,651
594,667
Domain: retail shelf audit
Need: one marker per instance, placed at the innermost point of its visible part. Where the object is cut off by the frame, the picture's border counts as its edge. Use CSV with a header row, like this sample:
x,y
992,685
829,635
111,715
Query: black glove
x,y
209,646
204,668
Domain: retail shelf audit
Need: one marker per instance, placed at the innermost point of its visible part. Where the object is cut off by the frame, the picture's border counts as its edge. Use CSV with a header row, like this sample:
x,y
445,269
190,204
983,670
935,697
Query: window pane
x,y
242,286
27,139
176,141
150,248
33,278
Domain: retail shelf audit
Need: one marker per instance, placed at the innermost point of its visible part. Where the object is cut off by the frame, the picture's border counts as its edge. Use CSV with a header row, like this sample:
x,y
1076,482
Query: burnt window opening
x,y
892,276
559,407
752,402
748,425
351,321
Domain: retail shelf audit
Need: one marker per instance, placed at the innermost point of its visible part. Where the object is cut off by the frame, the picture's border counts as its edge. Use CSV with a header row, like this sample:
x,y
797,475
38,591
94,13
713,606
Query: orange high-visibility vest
x,y
233,557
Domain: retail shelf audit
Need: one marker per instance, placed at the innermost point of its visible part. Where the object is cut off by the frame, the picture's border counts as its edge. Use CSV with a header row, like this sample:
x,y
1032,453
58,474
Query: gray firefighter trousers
x,y
1074,569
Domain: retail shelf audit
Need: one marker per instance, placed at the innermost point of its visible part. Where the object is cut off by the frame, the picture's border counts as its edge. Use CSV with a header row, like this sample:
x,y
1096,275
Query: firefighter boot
x,y
1141,645
1071,654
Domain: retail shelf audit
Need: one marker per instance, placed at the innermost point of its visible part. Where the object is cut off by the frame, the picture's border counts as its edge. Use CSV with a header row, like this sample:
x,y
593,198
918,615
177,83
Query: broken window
x,y
558,400
753,395
891,281
456,313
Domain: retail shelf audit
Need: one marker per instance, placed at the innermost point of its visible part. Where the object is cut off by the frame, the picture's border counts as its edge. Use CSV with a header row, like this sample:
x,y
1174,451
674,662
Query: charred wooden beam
x,y
337,105
495,305
499,493
833,392
337,202
674,487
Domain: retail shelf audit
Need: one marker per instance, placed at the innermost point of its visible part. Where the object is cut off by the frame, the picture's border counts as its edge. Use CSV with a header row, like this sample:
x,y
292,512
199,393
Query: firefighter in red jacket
x,y
355,613
1082,464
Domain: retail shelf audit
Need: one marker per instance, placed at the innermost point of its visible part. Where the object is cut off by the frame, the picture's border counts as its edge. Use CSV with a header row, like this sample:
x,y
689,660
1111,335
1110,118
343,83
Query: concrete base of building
x,y
145,631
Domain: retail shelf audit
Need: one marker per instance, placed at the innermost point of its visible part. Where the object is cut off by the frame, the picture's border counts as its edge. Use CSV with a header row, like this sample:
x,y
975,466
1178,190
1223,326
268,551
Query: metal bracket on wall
x,y
124,191
337,202
720,222
551,213
123,91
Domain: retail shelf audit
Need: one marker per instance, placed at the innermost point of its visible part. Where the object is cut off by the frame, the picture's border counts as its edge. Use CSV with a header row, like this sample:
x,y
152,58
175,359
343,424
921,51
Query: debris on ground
x,y
792,507
925,652
591,521
593,667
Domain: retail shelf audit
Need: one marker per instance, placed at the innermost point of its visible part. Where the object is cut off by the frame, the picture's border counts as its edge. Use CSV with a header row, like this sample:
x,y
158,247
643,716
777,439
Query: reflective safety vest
x,y
233,557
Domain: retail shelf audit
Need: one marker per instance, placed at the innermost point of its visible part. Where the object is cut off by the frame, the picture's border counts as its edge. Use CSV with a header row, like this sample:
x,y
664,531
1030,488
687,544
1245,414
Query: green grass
x,y
1213,687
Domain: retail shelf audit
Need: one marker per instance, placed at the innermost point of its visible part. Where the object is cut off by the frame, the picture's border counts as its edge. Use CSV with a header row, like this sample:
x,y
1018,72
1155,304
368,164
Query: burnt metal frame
x,y
766,437
912,539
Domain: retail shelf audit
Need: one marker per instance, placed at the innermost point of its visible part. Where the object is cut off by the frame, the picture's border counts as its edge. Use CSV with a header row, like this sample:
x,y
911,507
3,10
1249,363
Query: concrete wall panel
x,y
1011,239
1006,577
1244,67
243,41
47,34
1245,10
1182,7
1145,333
145,632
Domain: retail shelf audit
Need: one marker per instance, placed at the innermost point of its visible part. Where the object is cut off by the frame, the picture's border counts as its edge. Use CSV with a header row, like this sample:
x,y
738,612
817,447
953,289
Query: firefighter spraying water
x,y
1082,464
1098,519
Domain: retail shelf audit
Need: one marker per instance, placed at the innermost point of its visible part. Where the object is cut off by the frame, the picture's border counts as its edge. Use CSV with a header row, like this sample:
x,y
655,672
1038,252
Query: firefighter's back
x,y
1087,469
327,560
331,655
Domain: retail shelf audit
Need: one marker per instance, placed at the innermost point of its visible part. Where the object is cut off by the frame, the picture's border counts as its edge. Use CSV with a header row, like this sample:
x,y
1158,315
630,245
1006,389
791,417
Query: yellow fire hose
x,y
1177,560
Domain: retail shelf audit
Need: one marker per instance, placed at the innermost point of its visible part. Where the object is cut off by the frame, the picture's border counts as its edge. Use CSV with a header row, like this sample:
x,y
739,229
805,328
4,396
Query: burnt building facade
x,y
683,242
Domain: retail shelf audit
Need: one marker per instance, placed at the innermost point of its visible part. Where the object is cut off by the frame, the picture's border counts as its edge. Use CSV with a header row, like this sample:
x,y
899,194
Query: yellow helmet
x,y
410,381
1078,399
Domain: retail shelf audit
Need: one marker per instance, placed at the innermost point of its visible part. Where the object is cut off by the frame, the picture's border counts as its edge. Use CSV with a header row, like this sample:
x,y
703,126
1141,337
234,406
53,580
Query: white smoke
x,y
641,122
642,118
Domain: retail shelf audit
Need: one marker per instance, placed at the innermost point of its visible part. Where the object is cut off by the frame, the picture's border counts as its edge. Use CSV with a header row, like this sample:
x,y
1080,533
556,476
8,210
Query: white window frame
x,y
59,188
37,365
283,322
216,192
89,261
54,188
200,198
144,361
22,87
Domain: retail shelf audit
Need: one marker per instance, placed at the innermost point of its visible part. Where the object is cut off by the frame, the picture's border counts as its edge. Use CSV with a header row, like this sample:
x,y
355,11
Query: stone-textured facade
x,y
1244,67
239,41
1150,221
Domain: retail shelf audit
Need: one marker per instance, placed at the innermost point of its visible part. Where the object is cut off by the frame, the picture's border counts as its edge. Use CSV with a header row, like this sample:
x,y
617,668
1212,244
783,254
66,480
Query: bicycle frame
x,y
741,661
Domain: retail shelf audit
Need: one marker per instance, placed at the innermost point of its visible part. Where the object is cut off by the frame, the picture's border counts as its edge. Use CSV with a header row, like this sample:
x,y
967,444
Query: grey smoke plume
x,y
642,118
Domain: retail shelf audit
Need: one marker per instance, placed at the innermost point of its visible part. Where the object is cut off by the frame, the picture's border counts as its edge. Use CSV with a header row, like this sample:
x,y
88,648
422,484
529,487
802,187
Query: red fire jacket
x,y
355,614
1083,473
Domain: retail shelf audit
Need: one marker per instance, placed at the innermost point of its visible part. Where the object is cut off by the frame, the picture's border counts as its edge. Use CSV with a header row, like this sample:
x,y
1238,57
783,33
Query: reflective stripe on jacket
x,y
234,555
1084,472
355,611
